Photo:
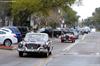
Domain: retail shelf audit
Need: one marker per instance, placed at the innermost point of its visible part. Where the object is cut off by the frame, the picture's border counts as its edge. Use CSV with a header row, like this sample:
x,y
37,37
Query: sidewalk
x,y
13,47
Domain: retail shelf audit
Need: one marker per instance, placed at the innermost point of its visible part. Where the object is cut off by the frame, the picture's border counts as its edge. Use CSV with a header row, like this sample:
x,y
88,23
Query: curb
x,y
14,47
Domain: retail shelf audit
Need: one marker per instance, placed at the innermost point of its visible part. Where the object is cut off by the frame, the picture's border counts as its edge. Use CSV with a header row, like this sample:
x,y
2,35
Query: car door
x,y
2,36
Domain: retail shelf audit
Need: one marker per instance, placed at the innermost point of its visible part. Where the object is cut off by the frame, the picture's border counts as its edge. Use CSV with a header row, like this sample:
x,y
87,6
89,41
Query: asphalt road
x,y
11,58
84,52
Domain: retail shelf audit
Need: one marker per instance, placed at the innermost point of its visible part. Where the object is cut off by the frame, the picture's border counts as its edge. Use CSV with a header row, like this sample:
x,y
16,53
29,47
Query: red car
x,y
68,37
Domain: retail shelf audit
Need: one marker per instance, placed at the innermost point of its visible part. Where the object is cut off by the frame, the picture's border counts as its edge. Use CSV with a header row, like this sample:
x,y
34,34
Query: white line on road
x,y
72,45
83,37
98,53
46,61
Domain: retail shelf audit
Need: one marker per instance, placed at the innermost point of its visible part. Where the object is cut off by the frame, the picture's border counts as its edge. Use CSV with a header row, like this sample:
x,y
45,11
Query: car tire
x,y
7,42
46,54
73,41
77,37
20,54
50,53
62,41
82,33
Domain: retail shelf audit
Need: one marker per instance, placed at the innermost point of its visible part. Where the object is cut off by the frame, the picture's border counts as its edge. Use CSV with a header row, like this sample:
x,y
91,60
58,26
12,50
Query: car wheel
x,y
82,33
73,41
7,42
46,54
20,54
62,41
50,53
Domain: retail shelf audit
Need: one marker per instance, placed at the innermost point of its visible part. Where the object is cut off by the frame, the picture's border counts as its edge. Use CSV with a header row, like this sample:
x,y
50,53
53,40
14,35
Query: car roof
x,y
11,29
4,31
37,33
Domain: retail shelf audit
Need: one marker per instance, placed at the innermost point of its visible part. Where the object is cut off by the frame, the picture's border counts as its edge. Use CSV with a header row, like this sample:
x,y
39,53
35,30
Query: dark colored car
x,y
48,31
56,33
23,30
68,37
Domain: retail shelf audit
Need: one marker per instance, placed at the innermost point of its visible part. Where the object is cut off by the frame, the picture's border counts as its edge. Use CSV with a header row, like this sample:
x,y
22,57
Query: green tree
x,y
96,15
95,19
70,17
22,9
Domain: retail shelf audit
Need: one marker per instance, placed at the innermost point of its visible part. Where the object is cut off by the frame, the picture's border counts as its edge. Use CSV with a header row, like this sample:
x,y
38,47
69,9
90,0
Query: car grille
x,y
32,46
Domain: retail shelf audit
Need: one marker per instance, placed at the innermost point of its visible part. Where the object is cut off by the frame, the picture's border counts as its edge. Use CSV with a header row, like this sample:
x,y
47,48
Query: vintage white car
x,y
35,43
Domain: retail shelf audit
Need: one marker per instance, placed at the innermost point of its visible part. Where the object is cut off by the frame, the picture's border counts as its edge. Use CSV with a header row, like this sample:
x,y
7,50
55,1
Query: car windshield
x,y
14,30
36,37
70,33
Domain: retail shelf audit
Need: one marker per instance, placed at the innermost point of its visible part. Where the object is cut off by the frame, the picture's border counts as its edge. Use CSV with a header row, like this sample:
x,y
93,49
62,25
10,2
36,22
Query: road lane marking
x,y
83,37
72,45
98,53
47,61
44,62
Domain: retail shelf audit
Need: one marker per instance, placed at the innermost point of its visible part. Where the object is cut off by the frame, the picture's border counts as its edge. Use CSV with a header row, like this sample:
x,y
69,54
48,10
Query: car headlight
x,y
20,45
45,46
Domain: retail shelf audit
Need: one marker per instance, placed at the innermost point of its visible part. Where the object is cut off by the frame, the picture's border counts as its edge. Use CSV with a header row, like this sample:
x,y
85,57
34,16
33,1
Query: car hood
x,y
27,42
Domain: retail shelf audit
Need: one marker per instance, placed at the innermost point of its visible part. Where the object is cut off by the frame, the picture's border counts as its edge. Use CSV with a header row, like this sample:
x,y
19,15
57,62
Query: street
x,y
49,32
11,58
84,52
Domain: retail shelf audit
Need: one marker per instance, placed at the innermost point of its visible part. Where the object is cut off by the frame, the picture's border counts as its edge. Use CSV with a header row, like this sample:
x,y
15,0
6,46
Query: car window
x,y
23,30
14,30
5,30
1,32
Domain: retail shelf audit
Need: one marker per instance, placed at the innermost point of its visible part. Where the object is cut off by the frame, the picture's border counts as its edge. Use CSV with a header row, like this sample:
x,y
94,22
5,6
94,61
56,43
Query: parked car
x,y
93,29
46,30
13,29
56,33
85,30
7,38
68,37
35,43
23,30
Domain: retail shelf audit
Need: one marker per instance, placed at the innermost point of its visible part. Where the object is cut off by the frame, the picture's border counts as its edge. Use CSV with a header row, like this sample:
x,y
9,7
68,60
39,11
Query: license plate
x,y
33,49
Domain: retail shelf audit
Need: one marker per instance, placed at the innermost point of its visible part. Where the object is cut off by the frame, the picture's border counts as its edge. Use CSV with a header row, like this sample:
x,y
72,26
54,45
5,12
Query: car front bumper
x,y
32,50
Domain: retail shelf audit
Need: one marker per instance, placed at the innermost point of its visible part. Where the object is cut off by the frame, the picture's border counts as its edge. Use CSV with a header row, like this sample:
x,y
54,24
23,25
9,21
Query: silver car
x,y
35,43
